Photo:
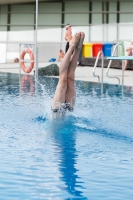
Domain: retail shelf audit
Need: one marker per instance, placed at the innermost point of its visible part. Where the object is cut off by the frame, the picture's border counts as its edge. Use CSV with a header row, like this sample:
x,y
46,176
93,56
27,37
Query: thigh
x,y
59,96
70,93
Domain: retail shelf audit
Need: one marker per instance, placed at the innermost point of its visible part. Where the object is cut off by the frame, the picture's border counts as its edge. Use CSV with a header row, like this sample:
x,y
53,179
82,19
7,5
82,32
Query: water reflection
x,y
9,83
27,85
64,136
95,89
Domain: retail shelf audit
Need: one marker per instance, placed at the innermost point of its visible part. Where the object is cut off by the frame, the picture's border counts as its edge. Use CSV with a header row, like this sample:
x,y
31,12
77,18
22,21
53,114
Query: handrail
x,y
111,62
94,68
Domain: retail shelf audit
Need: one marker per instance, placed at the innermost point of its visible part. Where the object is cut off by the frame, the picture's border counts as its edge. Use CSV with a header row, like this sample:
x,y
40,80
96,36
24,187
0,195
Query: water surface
x,y
86,155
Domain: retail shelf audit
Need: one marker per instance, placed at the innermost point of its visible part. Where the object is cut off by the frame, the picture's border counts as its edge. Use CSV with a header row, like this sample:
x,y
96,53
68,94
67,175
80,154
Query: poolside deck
x,y
82,73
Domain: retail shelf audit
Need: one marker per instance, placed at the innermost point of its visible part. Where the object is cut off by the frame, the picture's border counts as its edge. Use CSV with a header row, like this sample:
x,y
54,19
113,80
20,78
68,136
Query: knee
x,y
63,82
70,76
70,80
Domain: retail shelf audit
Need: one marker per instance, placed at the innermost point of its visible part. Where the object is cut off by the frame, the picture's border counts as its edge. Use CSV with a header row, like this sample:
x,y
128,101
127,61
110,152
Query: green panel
x,y
26,19
48,27
49,19
126,18
81,6
77,19
126,6
112,18
96,18
49,7
3,8
3,19
120,49
112,6
3,28
22,8
96,6
21,28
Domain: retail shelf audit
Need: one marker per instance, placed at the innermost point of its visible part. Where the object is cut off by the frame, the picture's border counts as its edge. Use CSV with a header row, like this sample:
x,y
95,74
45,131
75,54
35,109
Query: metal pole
x,y
122,76
123,66
19,70
36,46
102,68
102,73
19,59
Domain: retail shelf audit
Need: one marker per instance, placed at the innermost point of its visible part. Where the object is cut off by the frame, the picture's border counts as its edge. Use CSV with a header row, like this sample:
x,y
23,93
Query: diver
x,y
64,97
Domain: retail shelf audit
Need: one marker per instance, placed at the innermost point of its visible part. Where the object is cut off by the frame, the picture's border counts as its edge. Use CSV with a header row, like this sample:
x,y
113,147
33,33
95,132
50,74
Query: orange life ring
x,y
29,69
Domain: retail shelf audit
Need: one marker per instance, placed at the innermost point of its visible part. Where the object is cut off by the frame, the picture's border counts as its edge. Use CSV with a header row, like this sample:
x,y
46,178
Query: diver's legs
x,y
71,92
60,93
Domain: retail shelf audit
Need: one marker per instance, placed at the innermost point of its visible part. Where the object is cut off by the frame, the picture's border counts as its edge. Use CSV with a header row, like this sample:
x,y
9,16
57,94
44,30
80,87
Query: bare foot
x,y
73,43
80,43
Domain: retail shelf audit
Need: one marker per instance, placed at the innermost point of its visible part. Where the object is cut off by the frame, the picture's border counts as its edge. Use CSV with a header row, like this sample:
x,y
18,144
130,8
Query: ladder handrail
x,y
94,68
116,46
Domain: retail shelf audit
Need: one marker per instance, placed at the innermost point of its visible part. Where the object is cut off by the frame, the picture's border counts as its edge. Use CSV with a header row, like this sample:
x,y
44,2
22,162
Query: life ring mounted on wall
x,y
25,69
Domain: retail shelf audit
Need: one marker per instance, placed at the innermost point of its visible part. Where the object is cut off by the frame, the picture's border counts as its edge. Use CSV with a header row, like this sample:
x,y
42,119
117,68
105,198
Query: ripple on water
x,y
86,155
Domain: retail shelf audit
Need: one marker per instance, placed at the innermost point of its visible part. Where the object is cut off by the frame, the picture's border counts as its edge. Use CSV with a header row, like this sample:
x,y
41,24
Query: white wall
x,y
20,36
3,36
125,31
96,33
2,53
49,34
22,19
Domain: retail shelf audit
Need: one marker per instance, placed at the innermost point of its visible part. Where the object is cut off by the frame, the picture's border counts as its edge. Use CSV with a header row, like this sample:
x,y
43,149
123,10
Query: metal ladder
x,y
115,48
98,55
94,68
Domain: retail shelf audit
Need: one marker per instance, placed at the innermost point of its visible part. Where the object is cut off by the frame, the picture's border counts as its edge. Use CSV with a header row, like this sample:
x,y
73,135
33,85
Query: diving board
x,y
120,58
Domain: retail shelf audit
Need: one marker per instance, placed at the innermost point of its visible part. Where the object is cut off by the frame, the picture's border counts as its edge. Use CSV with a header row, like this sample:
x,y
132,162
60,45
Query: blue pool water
x,y
86,155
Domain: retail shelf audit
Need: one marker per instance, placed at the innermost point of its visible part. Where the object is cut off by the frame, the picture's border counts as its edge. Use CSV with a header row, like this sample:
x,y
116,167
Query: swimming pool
x,y
86,155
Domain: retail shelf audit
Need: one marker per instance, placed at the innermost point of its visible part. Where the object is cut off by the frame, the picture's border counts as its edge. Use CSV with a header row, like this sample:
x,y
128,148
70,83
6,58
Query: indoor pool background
x,y
86,155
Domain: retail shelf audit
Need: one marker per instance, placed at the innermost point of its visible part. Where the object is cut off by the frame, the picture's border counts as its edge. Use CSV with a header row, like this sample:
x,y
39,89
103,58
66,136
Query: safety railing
x,y
100,54
114,51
